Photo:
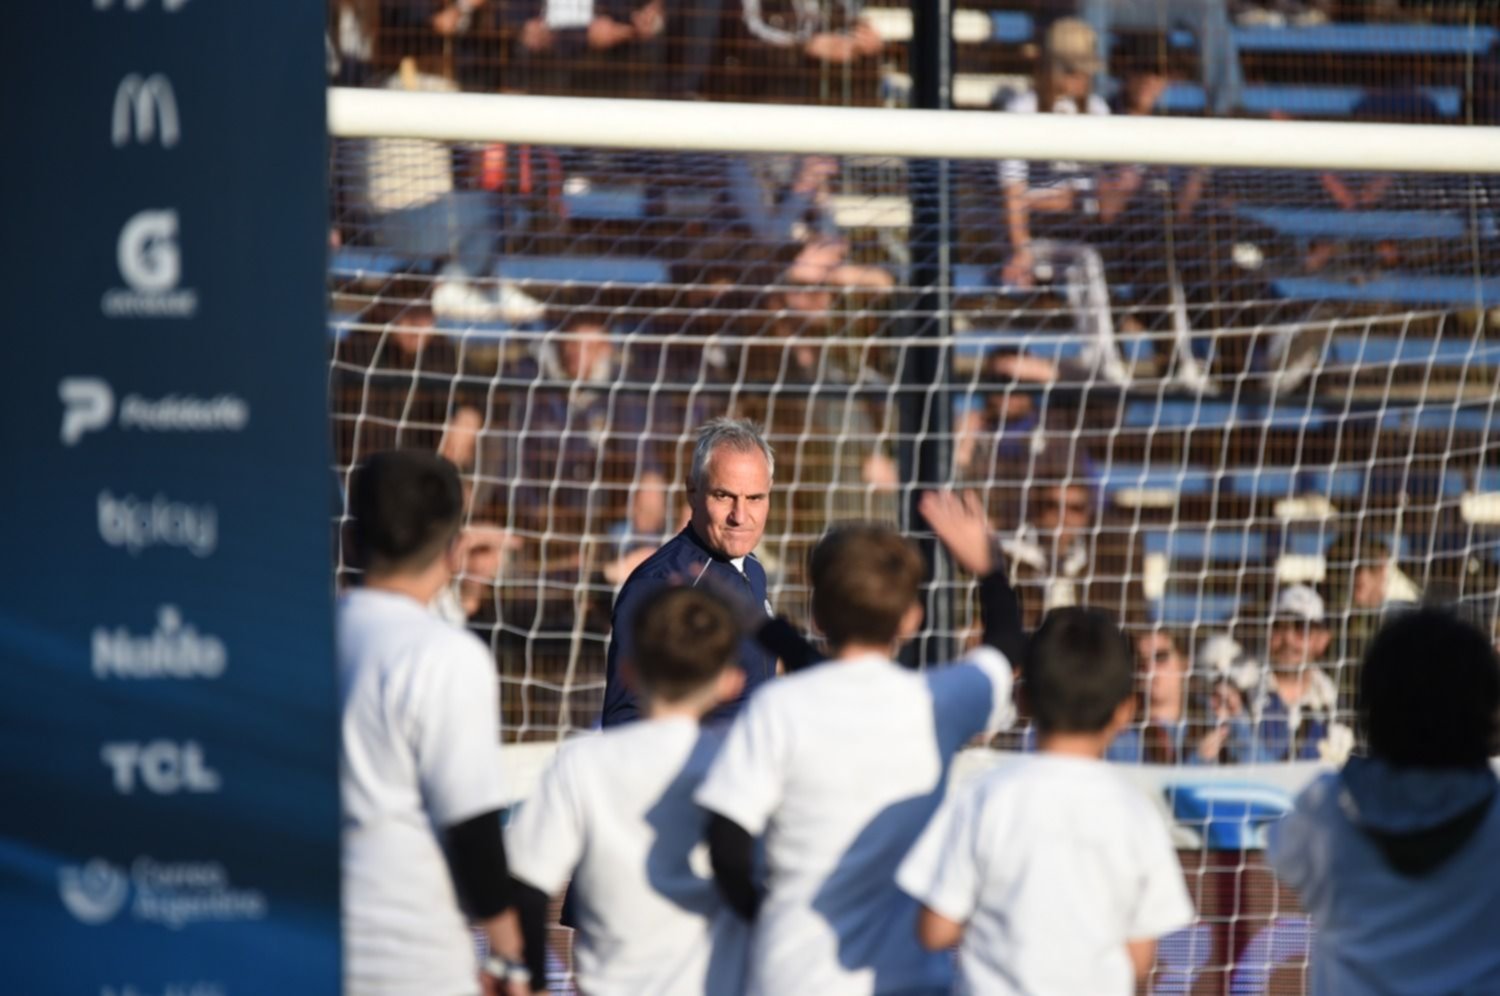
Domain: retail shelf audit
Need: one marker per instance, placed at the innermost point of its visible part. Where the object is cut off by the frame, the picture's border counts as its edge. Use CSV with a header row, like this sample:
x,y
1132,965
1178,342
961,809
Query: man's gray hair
x,y
742,435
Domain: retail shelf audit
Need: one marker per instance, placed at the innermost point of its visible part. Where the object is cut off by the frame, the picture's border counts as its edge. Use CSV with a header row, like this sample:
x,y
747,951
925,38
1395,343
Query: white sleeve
x,y
745,781
457,734
545,841
1163,904
941,871
1014,171
1002,681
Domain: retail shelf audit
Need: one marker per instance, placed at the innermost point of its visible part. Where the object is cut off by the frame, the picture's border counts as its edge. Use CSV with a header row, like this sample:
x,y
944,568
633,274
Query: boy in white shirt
x,y
615,813
1052,873
840,766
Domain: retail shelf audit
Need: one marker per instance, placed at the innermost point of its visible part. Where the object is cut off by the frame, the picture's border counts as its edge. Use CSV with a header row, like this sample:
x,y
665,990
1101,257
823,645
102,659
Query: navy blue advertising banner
x,y
168,715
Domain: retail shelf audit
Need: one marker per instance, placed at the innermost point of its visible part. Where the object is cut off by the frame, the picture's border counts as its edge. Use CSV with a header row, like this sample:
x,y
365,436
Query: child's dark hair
x,y
684,638
407,507
865,578
1430,691
1078,668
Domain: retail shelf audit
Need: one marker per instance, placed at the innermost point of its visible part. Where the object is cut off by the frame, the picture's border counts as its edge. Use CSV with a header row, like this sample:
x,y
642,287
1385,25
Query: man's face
x,y
1296,642
1369,585
583,349
1062,511
730,502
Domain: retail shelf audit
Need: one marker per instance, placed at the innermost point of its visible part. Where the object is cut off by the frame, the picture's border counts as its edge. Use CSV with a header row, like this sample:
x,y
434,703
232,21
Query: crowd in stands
x,y
555,321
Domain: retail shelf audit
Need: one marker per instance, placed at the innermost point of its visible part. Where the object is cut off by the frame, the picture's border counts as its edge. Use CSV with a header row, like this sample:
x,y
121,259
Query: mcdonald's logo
x,y
144,108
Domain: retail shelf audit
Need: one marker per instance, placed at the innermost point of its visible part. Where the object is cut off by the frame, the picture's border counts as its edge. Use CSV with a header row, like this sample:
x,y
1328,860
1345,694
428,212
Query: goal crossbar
x,y
725,127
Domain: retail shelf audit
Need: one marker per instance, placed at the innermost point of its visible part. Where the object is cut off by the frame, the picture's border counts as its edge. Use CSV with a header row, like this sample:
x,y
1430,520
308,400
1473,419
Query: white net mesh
x,y
1223,404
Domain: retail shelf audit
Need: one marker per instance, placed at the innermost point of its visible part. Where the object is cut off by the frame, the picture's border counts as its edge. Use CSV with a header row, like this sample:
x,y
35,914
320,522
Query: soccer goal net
x,y
1235,382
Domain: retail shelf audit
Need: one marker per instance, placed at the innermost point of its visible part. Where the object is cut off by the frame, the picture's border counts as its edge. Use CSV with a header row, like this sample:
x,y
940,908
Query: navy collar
x,y
692,537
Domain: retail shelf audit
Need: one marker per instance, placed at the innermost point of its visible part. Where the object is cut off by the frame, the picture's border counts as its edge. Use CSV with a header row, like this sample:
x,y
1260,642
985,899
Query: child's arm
x,y
1142,956
731,849
960,524
936,932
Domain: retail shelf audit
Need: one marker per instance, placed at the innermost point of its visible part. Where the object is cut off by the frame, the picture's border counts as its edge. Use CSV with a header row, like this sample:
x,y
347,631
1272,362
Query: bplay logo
x,y
174,894
163,767
89,406
138,524
169,989
150,105
174,649
150,262
95,892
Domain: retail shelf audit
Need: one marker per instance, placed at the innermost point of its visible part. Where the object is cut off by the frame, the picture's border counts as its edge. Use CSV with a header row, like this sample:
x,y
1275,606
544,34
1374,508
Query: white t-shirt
x,y
1054,863
616,812
420,752
1078,175
840,766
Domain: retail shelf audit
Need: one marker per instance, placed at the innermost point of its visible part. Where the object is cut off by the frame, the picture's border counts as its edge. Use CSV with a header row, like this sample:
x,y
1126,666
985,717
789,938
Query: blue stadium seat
x,y
1299,100
1118,477
1335,482
1351,350
1218,546
1186,608
1410,289
1310,223
607,204
1471,418
358,261
1230,816
1262,482
583,269
1055,346
1179,414
1313,540
1368,39
1011,27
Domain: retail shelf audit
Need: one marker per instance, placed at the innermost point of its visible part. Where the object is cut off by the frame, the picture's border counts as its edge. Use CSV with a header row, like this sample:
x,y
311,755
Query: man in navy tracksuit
x,y
729,490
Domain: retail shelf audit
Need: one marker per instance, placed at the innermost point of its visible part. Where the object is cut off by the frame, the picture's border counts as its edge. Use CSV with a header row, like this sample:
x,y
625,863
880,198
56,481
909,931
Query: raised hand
x,y
962,528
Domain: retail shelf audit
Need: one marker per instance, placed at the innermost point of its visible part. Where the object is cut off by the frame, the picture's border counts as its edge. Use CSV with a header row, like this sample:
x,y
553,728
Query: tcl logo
x,y
163,767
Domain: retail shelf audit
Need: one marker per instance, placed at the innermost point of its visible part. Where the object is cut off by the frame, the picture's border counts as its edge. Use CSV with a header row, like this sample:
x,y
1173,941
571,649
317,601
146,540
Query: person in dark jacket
x,y
729,492
1394,856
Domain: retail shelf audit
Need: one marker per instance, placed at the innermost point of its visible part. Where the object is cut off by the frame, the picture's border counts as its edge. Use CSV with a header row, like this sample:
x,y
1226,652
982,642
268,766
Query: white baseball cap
x,y
1301,602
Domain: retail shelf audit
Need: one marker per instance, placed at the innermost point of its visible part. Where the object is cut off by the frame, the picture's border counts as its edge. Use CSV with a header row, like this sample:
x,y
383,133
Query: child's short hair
x,y
865,578
1430,691
407,506
1078,668
684,638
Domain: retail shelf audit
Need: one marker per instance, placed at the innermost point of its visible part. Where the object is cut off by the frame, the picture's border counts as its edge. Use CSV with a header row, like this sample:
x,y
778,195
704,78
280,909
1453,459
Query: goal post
x,y
1209,375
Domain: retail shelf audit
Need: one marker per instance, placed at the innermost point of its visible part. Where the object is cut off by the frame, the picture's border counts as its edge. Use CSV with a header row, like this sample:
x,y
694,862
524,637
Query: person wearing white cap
x,y
1293,710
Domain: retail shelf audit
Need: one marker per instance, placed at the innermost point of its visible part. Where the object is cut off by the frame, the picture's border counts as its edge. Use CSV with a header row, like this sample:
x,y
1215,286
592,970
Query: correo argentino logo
x,y
95,892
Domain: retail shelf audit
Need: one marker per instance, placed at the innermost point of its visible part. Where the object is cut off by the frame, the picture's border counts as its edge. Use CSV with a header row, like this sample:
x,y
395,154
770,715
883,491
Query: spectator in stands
x,y
783,199
353,30
646,526
1050,208
834,406
1394,855
1059,556
580,420
1172,728
802,42
1208,20
995,437
415,207
602,47
399,382
1292,713
1364,583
